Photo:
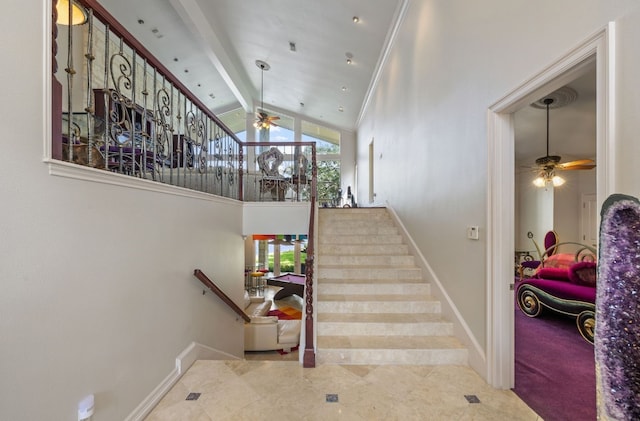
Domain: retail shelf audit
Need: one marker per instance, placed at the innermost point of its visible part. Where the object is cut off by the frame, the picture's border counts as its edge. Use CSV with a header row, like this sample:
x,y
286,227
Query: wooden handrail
x,y
309,357
209,284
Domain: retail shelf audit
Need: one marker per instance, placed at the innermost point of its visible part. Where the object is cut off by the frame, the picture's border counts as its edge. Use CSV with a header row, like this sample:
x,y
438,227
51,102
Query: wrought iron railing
x,y
279,171
124,112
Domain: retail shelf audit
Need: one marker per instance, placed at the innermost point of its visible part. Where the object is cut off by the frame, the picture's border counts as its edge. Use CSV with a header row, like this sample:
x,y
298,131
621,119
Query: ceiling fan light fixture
x,y
539,182
546,178
263,121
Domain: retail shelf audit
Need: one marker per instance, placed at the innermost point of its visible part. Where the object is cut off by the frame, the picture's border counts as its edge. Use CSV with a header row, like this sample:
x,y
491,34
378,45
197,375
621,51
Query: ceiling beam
x,y
212,47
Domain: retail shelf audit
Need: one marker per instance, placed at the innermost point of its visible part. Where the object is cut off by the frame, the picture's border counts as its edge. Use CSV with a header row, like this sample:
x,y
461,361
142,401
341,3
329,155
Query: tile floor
x,y
275,390
270,386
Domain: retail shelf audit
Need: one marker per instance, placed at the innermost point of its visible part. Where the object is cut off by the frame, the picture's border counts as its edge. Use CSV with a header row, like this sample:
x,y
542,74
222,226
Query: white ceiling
x,y
212,47
572,128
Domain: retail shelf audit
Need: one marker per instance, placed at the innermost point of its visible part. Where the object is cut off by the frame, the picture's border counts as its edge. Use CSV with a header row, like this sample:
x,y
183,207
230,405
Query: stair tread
x,y
369,267
380,318
375,297
389,342
372,281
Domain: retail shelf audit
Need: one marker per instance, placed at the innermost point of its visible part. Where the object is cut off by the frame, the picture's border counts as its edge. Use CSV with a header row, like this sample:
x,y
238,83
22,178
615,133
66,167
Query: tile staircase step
x,y
372,272
325,238
379,287
353,213
379,350
361,303
356,223
373,304
370,229
366,260
363,249
383,324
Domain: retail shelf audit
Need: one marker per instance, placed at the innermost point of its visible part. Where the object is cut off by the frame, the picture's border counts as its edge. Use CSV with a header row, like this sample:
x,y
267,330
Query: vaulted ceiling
x,y
212,47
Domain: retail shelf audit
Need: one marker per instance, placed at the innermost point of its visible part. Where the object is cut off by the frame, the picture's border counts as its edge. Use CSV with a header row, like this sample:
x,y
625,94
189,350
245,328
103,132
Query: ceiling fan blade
x,y
582,164
578,167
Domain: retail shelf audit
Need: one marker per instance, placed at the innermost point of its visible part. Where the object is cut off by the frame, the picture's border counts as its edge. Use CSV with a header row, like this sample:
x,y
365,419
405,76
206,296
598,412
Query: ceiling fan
x,y
547,165
263,120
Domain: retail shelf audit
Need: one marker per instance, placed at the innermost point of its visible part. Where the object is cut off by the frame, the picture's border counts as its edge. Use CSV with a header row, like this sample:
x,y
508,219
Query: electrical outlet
x,y
472,232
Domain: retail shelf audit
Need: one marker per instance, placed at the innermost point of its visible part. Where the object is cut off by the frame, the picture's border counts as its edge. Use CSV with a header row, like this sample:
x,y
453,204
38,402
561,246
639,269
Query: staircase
x,y
374,307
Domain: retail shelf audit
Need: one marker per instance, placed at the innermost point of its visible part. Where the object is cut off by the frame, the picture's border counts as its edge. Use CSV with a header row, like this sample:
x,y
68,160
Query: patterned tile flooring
x,y
270,386
274,390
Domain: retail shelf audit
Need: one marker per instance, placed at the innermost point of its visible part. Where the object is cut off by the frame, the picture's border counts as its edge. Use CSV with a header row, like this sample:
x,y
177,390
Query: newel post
x,y
56,90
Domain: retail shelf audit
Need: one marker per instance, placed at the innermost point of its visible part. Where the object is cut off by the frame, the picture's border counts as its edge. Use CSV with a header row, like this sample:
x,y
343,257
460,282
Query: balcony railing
x,y
123,111
120,110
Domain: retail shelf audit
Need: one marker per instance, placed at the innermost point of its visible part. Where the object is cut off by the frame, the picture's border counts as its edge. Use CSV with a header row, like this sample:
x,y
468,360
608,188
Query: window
x,y
327,140
328,161
236,120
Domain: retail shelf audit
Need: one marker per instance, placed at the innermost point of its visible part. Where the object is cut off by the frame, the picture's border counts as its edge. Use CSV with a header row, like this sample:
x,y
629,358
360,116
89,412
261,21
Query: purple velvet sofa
x,y
566,285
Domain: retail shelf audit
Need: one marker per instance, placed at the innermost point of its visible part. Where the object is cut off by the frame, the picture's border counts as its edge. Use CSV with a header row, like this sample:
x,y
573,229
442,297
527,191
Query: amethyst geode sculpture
x,y
617,339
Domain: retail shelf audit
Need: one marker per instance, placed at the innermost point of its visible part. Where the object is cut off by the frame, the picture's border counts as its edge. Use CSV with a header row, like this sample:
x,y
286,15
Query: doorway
x,y
501,184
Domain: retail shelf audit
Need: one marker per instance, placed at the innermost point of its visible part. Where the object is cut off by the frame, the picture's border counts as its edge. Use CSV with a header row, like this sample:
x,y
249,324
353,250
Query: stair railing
x,y
309,356
214,288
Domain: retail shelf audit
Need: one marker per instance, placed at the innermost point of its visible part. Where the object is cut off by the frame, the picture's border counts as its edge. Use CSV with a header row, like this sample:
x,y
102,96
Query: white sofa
x,y
267,333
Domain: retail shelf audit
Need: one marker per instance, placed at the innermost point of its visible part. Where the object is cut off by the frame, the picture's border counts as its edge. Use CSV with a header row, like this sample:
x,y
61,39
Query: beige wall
x,y
97,294
452,60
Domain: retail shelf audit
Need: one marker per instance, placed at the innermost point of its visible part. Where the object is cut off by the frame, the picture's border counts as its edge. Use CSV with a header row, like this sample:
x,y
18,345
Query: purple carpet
x,y
554,368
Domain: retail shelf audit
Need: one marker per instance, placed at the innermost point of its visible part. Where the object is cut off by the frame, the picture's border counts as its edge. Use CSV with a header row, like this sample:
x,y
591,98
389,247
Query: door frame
x,y
600,47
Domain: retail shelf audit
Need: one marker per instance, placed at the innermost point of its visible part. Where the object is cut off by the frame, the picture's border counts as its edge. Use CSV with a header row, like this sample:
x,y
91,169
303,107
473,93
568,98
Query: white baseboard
x,y
191,354
477,355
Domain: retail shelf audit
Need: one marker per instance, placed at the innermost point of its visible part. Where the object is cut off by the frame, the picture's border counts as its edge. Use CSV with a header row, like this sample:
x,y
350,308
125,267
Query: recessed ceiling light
x,y
186,70
175,59
340,108
349,61
292,46
212,96
140,21
344,89
356,19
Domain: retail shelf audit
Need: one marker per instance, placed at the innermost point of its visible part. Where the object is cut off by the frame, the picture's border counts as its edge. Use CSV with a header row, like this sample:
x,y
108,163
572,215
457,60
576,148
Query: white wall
x,y
98,294
535,214
568,204
276,218
428,116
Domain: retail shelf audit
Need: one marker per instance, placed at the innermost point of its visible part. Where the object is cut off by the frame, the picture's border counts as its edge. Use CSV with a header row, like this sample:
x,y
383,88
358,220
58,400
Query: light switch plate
x,y
472,232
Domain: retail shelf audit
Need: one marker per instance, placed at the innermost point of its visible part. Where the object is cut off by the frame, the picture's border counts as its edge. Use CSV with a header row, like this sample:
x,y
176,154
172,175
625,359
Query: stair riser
x,y
352,215
354,223
368,230
393,356
386,329
366,260
378,307
363,239
381,289
378,273
363,249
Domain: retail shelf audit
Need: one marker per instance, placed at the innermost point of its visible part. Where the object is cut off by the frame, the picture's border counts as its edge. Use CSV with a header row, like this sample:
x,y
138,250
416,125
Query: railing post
x,y
240,172
309,356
